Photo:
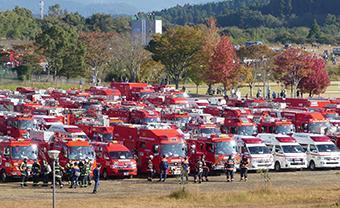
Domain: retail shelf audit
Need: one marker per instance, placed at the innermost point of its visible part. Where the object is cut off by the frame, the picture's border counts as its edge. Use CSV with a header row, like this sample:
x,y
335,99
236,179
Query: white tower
x,y
42,4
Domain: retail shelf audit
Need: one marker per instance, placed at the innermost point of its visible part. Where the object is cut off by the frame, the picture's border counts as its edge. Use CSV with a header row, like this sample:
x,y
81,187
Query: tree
x,y
199,70
224,63
61,46
100,23
292,65
259,61
315,32
175,49
128,57
317,81
99,47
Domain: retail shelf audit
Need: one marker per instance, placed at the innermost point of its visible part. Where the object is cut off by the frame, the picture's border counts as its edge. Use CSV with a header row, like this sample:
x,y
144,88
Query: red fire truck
x,y
12,153
216,149
180,119
303,102
309,122
156,140
132,91
277,126
239,126
115,159
144,116
15,125
98,133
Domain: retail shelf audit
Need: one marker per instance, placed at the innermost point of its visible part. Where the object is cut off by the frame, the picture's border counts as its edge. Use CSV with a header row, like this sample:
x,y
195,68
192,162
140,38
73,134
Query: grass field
x,y
286,190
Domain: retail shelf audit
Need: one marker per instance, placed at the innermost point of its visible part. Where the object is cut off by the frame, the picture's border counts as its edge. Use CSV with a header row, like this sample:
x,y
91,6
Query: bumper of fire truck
x,y
327,162
121,172
174,170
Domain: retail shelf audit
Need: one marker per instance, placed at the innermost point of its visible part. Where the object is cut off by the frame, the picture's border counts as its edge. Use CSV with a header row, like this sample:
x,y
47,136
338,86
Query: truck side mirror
x,y
155,149
7,152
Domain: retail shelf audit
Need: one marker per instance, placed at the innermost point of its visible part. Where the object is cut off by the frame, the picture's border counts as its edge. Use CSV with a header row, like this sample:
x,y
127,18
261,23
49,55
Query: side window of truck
x,y
277,149
210,148
304,147
233,130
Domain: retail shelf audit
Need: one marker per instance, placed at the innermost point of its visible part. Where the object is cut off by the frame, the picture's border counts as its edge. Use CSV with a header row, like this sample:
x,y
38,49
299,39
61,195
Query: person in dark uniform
x,y
68,171
75,175
150,168
45,170
229,168
244,168
24,172
205,168
82,172
36,172
185,170
96,177
164,165
59,174
199,171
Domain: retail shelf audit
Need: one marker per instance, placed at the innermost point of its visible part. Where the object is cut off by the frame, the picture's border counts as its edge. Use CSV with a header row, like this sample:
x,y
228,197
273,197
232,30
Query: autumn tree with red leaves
x,y
293,65
224,63
317,81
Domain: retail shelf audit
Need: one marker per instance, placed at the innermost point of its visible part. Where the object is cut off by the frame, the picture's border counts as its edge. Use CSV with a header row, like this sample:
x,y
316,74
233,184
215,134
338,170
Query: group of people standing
x,y
201,170
76,173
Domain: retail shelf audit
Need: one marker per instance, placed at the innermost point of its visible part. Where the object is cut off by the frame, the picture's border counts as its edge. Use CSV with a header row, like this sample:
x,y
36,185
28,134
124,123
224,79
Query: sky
x,y
87,7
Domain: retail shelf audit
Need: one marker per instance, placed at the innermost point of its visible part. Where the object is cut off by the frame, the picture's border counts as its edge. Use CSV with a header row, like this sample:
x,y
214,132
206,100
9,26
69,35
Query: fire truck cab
x,y
259,154
144,116
321,151
116,160
217,149
12,153
276,126
68,131
15,125
157,140
288,154
239,126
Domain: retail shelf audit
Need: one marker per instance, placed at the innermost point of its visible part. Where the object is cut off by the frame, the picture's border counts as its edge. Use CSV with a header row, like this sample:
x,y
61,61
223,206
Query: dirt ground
x,y
287,189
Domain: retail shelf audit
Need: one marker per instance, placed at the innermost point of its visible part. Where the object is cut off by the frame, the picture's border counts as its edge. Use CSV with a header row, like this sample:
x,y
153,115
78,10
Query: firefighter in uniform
x,y
45,170
150,168
24,172
205,169
88,172
85,173
81,166
164,165
59,174
36,168
185,170
68,171
199,171
75,175
229,166
244,168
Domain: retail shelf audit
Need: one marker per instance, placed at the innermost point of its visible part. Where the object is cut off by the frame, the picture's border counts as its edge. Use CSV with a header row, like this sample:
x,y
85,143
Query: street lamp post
x,y
53,154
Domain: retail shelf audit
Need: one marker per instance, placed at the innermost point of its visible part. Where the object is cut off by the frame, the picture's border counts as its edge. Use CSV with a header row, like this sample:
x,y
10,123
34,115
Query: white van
x,y
259,154
288,154
321,151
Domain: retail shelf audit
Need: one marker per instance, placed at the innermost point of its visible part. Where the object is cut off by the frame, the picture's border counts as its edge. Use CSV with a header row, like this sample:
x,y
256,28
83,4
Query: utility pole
x,y
42,5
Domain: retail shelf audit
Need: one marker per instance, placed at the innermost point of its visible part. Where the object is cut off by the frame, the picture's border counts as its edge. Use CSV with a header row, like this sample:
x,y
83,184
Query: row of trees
x,y
201,55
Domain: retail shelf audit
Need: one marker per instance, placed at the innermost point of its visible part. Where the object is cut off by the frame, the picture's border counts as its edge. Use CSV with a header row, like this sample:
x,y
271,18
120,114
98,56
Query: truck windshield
x,y
106,137
327,148
246,130
121,155
318,127
182,120
258,150
150,120
284,129
173,150
292,149
80,153
225,148
210,131
25,124
21,152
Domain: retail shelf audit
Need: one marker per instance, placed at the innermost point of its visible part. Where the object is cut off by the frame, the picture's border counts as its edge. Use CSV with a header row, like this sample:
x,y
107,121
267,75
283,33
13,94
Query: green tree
x,y
62,48
315,32
175,49
100,23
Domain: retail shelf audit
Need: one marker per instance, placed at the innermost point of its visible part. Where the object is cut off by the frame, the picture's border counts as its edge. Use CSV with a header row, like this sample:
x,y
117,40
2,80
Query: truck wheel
x,y
3,176
312,165
105,176
277,167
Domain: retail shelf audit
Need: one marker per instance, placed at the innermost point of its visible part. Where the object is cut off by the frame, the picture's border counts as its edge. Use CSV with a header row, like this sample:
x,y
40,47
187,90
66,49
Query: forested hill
x,y
254,13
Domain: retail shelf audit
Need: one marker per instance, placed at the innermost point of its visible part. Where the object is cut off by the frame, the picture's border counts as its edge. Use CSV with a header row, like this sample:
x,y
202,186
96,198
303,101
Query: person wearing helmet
x,y
24,172
150,168
229,166
36,172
